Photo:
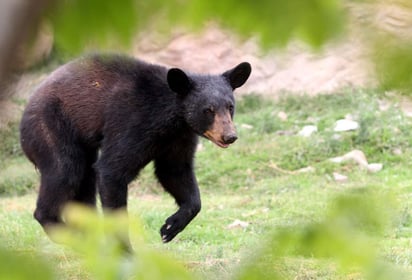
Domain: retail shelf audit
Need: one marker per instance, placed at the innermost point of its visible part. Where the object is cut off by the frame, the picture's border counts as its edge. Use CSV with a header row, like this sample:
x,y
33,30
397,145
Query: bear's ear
x,y
178,81
238,75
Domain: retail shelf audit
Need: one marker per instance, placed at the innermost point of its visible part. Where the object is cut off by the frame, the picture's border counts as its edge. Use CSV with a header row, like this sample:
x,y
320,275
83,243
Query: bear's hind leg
x,y
86,193
56,189
47,211
61,179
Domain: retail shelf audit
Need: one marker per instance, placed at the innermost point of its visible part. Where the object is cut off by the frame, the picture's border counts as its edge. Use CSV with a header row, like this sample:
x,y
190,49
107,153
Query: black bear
x,y
95,122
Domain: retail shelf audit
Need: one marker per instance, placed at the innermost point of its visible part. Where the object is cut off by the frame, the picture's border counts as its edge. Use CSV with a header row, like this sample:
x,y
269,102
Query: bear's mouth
x,y
218,143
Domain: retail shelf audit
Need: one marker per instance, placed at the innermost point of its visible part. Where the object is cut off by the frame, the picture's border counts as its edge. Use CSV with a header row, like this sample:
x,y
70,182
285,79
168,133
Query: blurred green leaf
x,y
101,242
15,266
78,24
393,62
343,237
274,22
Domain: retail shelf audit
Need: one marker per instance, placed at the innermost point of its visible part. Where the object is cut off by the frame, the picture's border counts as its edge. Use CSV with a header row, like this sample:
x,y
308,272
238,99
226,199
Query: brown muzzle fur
x,y
222,131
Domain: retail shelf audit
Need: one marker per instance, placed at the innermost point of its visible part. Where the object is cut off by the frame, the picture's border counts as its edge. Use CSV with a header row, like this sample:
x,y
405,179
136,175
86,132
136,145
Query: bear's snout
x,y
230,138
222,131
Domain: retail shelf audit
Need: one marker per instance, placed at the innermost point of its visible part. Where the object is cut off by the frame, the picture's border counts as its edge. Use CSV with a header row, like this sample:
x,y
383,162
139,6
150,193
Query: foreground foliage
x,y
345,237
274,23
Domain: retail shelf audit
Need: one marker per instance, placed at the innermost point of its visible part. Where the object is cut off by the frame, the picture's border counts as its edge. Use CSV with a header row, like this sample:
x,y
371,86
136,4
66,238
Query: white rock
x,y
339,177
238,224
282,116
397,151
336,159
308,130
356,155
345,125
375,167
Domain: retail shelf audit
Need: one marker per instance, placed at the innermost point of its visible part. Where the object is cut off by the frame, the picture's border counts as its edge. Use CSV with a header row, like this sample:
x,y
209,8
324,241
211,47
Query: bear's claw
x,y
169,231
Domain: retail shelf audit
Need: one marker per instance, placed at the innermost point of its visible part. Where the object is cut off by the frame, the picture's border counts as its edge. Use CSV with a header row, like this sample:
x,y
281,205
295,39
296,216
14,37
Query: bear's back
x,y
87,88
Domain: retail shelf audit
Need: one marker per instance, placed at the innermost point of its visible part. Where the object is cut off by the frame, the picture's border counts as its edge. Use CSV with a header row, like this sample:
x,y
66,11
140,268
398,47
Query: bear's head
x,y
207,101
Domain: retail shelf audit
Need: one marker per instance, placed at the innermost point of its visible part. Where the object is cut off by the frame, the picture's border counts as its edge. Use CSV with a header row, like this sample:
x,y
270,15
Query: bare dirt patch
x,y
296,69
345,62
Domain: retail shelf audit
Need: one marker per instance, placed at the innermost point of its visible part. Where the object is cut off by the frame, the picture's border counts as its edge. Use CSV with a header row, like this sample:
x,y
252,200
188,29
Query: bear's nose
x,y
229,139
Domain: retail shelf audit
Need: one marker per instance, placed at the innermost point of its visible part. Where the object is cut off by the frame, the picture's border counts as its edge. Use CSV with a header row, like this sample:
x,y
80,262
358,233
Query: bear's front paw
x,y
170,229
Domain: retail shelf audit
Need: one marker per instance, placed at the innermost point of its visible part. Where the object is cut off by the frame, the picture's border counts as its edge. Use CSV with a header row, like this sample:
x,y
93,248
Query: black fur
x,y
134,113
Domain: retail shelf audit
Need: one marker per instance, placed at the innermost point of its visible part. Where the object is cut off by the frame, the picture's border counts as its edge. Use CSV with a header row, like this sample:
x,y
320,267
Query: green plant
x,y
22,267
343,240
10,146
241,183
17,177
346,237
101,242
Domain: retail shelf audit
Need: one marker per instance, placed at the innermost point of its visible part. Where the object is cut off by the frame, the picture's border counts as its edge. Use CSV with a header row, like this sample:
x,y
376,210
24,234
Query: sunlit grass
x,y
241,183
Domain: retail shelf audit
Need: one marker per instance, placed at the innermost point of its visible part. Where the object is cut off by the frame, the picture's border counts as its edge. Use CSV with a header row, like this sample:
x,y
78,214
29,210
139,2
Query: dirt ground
x,y
344,62
296,69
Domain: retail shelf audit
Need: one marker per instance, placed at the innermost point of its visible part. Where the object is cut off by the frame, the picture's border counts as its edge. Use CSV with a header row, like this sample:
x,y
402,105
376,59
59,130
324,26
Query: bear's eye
x,y
209,111
231,108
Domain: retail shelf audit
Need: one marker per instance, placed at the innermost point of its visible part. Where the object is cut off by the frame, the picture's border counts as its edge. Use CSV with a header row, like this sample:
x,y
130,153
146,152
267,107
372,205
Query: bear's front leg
x,y
177,178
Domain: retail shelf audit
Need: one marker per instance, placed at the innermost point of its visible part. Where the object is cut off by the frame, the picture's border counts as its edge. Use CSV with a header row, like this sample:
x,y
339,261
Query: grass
x,y
254,181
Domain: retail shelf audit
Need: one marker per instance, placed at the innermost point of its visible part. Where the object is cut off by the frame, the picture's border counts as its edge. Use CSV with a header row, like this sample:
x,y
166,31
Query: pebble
x,y
339,177
345,125
308,130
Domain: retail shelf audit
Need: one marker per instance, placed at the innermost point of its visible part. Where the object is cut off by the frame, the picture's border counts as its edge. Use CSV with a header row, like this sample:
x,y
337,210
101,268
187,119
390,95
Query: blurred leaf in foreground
x,y
22,267
347,236
100,241
274,22
393,60
80,23
390,42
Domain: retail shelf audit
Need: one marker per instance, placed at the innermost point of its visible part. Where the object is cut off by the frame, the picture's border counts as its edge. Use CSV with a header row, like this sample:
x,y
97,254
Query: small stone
x,y
336,159
282,116
339,177
375,167
355,155
308,130
345,125
238,224
397,151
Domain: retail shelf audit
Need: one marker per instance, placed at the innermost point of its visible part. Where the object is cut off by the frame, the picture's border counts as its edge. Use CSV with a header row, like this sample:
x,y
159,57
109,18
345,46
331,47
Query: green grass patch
x,y
17,174
10,144
17,178
256,181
